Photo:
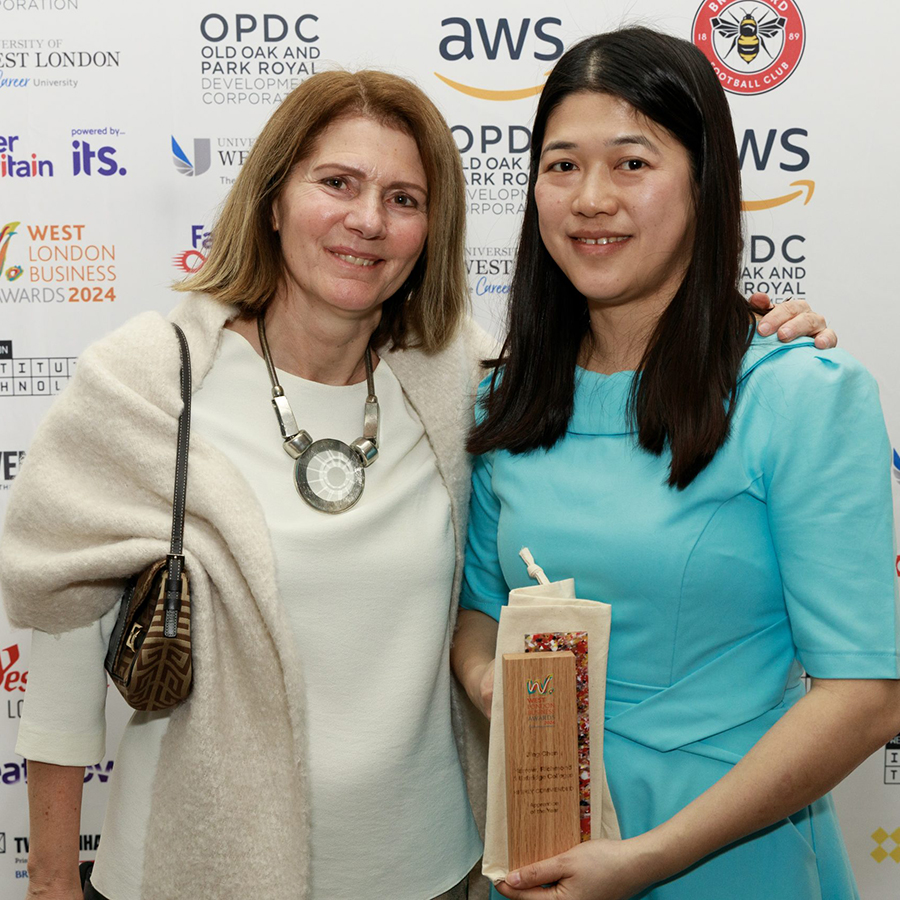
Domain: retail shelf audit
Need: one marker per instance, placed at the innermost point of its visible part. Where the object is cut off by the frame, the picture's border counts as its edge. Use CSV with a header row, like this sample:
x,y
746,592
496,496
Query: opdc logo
x,y
215,27
491,41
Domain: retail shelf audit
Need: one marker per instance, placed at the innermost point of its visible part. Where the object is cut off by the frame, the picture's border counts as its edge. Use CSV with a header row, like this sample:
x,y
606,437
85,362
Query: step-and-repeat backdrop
x,y
122,126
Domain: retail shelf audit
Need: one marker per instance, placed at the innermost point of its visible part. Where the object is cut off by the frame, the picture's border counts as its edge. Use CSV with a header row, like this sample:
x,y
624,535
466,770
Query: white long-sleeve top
x,y
368,594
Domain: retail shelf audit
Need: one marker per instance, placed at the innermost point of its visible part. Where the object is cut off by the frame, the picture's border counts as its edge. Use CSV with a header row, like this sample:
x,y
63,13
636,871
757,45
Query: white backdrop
x,y
122,125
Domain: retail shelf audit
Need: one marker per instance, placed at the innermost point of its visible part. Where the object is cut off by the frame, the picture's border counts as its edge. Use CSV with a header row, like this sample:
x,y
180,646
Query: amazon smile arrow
x,y
754,205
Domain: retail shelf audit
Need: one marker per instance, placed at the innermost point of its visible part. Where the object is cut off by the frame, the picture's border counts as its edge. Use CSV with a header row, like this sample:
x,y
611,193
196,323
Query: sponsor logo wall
x,y
119,136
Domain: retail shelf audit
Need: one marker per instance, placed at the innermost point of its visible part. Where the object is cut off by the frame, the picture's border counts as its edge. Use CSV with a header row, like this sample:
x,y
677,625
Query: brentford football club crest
x,y
753,46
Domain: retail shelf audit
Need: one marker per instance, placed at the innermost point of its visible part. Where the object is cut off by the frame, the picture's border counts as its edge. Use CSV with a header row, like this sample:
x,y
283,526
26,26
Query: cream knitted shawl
x,y
93,505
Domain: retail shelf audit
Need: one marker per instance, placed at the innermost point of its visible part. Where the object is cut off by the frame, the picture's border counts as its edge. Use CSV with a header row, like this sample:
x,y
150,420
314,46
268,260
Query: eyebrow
x,y
559,145
632,139
359,173
620,141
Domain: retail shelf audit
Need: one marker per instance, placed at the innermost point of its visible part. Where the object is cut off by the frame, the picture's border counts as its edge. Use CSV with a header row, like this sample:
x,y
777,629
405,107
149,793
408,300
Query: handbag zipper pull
x,y
174,565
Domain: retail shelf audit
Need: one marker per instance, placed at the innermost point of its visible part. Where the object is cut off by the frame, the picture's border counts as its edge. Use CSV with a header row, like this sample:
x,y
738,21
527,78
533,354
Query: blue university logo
x,y
201,157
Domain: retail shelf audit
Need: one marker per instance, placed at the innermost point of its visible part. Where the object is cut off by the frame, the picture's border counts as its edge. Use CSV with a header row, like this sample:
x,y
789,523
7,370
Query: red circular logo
x,y
753,46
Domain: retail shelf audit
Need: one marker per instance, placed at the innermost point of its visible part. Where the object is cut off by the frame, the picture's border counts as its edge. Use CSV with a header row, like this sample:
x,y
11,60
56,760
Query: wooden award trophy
x,y
541,735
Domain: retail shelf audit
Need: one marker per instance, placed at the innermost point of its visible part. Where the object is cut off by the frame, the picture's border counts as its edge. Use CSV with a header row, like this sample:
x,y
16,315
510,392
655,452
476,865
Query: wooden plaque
x,y
541,732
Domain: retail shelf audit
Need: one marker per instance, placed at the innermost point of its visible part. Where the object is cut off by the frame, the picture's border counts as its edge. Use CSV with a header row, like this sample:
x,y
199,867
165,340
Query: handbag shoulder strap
x,y
175,559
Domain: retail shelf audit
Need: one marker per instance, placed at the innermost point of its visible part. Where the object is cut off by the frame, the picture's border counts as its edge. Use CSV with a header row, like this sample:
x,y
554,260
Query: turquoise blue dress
x,y
778,558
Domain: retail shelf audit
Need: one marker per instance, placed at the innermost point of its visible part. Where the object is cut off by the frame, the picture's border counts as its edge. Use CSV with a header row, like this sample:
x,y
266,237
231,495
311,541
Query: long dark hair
x,y
686,394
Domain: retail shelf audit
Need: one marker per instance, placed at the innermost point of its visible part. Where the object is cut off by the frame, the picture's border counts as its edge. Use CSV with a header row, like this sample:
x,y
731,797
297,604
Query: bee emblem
x,y
748,34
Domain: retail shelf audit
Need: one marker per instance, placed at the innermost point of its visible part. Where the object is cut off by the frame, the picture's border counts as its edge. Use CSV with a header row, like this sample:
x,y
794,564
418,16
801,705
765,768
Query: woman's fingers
x,y
538,893
778,317
525,883
794,318
826,339
760,302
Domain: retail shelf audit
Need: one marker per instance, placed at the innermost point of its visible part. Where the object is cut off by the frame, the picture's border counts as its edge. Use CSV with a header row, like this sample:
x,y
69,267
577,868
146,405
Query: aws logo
x,y
491,41
791,156
753,46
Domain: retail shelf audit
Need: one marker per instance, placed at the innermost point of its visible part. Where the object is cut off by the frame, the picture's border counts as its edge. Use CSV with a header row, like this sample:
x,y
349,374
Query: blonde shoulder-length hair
x,y
244,267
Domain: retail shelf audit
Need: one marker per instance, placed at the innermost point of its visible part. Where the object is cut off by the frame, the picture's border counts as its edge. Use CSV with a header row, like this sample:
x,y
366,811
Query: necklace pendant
x,y
329,475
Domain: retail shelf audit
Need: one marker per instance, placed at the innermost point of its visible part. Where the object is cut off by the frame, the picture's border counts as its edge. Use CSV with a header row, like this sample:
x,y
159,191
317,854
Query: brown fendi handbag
x,y
149,656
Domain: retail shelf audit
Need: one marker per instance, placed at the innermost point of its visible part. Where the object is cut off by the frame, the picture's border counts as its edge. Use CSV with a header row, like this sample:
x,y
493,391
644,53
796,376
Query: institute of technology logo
x,y
201,157
753,46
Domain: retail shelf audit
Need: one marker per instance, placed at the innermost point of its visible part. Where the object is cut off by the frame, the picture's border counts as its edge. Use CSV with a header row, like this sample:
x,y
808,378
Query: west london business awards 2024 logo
x,y
54,263
753,47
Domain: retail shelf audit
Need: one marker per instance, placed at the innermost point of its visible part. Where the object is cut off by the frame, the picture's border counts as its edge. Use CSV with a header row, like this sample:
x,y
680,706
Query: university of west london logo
x,y
753,46
200,163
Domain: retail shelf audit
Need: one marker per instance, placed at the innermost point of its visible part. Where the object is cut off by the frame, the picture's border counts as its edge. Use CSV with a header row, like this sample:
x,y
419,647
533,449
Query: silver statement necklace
x,y
329,475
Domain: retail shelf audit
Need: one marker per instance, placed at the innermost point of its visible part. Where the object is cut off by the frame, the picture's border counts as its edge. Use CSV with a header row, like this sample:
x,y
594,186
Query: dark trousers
x,y
84,870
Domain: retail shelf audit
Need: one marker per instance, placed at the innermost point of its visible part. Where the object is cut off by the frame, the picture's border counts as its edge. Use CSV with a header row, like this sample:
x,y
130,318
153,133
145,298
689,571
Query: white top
x,y
368,593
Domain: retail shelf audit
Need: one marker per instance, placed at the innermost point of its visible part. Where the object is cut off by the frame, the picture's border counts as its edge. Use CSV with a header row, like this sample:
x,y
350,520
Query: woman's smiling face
x,y
352,218
614,195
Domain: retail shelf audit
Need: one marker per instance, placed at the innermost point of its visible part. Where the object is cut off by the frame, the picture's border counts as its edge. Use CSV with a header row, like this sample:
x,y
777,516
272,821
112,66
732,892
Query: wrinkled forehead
x,y
393,121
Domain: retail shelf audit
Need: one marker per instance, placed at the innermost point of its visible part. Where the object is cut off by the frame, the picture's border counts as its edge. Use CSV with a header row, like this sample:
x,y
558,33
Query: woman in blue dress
x,y
732,503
